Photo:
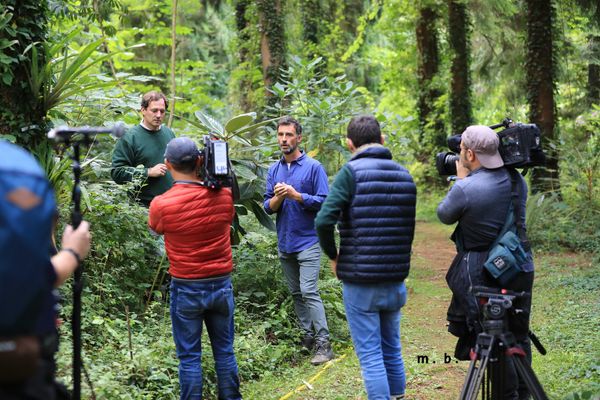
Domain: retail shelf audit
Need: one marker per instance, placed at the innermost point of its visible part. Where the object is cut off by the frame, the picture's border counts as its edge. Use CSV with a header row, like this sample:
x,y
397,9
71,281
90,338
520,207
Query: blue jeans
x,y
301,271
192,303
373,314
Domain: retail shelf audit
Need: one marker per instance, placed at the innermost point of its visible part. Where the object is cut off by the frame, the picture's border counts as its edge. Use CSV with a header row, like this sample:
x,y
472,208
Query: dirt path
x,y
424,333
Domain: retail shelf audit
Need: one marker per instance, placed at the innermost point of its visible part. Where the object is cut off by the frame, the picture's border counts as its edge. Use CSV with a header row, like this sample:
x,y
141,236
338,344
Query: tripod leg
x,y
475,376
476,372
533,384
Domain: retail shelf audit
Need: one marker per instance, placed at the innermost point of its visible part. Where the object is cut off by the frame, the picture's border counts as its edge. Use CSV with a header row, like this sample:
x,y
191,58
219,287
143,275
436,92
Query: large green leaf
x,y
239,121
262,216
210,124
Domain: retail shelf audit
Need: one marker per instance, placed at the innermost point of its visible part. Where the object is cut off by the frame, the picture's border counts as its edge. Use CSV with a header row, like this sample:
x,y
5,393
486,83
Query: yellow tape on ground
x,y
312,379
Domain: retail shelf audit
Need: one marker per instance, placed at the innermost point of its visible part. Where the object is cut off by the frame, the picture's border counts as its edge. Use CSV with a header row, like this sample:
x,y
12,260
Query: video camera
x,y
520,147
216,169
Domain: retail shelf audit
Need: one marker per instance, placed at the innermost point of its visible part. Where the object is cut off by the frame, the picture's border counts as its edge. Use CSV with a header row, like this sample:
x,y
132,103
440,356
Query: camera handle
x,y
506,122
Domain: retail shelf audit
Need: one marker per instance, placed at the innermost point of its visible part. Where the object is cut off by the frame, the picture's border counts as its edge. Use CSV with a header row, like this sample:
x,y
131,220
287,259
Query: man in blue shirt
x,y
296,188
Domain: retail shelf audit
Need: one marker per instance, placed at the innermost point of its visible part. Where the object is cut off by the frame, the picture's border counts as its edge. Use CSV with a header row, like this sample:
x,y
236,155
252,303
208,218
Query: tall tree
x,y
431,125
244,57
459,27
540,66
22,114
311,15
272,41
592,9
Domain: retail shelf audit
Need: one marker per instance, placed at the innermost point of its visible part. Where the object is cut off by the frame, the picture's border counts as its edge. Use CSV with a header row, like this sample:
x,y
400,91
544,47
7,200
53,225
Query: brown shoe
x,y
323,353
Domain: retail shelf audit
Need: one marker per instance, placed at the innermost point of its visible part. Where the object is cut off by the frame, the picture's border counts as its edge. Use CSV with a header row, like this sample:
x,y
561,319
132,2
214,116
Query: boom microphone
x,y
65,132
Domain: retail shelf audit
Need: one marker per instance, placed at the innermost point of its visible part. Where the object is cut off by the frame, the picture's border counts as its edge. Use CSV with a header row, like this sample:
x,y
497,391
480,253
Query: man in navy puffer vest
x,y
373,198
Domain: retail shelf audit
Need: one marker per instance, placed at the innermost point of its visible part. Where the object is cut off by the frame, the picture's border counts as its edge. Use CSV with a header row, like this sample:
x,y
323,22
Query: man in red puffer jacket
x,y
196,222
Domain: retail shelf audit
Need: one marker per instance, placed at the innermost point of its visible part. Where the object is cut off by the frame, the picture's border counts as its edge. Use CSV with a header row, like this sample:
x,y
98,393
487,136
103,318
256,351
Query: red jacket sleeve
x,y
154,217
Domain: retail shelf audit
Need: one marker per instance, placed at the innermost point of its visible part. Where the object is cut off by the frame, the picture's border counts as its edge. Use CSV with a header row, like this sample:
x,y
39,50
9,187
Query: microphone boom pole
x,y
64,133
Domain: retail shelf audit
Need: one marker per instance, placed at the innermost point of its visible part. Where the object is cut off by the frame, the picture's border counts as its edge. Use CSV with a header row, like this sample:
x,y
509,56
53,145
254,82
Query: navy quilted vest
x,y
377,230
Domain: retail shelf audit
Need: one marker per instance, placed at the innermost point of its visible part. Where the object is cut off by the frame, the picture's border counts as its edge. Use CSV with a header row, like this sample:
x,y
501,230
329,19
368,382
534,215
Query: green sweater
x,y
138,150
338,199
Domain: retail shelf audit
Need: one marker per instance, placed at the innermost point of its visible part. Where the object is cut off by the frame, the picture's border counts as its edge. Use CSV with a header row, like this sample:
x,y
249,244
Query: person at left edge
x,y
27,214
196,223
140,152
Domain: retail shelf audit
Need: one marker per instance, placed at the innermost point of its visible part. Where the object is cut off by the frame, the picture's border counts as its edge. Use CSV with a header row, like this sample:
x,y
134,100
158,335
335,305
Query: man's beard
x,y
289,150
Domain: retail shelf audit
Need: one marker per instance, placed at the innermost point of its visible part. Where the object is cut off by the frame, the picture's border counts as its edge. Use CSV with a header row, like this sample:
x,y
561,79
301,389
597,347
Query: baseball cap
x,y
484,142
181,150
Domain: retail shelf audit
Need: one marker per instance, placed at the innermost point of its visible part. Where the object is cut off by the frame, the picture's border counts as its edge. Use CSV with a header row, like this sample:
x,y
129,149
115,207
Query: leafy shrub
x,y
553,224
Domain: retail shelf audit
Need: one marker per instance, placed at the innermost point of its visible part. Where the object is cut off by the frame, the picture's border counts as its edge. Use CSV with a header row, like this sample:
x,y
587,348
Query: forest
x,y
426,69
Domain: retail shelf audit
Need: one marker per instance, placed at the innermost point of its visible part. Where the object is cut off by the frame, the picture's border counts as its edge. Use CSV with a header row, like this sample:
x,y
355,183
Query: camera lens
x,y
446,163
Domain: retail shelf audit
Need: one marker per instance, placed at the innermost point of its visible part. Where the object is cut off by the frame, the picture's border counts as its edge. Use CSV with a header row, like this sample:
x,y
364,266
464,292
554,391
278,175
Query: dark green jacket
x,y
138,150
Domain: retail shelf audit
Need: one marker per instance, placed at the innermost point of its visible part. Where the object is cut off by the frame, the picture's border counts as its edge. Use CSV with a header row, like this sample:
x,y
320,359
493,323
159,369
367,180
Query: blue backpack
x,y
27,212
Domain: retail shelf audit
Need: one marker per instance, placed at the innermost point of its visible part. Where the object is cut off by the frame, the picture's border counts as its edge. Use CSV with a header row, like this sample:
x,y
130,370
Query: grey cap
x,y
484,142
181,150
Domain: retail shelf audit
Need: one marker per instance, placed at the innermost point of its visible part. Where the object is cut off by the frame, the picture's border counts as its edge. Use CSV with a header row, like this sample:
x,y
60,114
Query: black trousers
x,y
465,318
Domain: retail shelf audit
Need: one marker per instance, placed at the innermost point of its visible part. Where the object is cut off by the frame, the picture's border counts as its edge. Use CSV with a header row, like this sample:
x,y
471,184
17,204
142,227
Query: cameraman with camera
x,y
480,201
196,222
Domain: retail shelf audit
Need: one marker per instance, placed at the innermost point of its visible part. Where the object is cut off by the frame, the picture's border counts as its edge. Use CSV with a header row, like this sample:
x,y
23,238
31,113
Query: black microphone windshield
x,y
65,132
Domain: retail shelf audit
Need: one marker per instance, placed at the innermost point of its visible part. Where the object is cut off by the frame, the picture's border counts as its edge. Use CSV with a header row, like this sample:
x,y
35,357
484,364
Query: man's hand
x,y
78,240
281,189
157,171
75,246
284,190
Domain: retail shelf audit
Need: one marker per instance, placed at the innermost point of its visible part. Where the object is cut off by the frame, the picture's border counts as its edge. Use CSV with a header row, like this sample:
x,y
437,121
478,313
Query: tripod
x,y
495,347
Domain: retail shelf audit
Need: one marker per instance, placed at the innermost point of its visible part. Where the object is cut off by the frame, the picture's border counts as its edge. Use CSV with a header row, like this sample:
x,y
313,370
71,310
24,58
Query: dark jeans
x,y
194,302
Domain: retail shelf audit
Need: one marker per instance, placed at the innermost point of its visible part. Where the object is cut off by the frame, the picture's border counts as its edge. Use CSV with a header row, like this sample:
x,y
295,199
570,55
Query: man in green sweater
x,y
141,152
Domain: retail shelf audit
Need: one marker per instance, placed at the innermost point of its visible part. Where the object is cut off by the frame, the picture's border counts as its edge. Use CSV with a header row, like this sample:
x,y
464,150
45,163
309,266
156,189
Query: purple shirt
x,y
295,220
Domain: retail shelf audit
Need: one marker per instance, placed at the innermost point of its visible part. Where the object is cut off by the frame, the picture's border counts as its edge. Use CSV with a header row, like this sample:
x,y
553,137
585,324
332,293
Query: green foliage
x,y
565,320
8,32
553,224
324,105
65,76
248,161
22,23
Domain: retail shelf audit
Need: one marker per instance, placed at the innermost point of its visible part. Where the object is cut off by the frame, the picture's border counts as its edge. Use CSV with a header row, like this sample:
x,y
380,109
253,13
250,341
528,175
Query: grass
x,y
566,318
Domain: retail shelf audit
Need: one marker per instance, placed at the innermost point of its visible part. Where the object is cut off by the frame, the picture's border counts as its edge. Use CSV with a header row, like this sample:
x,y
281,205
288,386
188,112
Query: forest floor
x,y
566,315
431,370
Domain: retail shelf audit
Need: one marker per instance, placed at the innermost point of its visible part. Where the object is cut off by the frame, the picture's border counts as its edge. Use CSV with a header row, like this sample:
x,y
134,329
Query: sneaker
x,y
323,353
308,342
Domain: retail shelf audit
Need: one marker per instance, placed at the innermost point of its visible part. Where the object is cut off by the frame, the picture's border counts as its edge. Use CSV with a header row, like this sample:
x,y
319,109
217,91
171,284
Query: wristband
x,y
74,253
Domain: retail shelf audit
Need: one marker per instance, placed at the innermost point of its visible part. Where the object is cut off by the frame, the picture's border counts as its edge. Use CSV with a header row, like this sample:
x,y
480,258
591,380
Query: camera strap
x,y
515,198
513,215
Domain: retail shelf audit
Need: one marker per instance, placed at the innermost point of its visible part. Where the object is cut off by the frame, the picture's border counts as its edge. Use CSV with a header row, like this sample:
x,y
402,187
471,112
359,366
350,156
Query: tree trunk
x,y
173,68
23,115
272,42
242,23
431,125
540,88
594,71
459,26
